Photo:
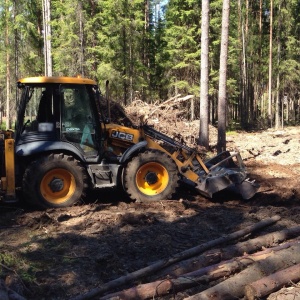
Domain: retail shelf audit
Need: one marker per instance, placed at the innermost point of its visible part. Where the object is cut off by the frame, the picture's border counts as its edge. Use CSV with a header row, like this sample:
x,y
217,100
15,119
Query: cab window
x,y
77,118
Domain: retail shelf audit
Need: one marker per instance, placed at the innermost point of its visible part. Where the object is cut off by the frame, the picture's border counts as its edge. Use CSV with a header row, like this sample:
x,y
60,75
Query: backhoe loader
x,y
62,146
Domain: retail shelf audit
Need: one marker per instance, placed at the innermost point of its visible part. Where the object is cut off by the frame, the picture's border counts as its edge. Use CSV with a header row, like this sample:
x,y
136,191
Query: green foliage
x,y
28,33
182,40
18,265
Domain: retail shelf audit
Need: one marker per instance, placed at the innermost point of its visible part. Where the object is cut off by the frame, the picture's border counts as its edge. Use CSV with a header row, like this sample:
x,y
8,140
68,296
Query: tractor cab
x,y
58,113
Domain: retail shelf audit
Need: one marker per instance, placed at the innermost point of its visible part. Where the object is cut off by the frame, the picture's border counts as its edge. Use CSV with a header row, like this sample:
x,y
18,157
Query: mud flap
x,y
247,189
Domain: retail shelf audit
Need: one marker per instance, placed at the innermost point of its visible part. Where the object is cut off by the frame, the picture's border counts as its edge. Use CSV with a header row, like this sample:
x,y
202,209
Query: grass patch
x,y
11,263
232,133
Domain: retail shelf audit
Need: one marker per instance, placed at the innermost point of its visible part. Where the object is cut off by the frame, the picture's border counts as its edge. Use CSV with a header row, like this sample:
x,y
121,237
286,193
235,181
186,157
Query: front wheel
x,y
56,180
151,176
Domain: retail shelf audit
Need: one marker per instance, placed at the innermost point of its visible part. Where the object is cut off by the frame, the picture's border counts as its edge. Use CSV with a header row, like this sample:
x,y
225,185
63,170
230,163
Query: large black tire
x,y
56,180
151,176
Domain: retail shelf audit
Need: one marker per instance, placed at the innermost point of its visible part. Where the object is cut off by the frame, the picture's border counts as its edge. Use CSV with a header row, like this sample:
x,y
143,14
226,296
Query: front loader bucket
x,y
226,171
211,185
247,189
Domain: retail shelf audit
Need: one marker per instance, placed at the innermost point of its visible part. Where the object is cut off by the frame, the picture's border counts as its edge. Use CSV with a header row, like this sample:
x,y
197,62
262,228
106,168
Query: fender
x,y
43,146
128,153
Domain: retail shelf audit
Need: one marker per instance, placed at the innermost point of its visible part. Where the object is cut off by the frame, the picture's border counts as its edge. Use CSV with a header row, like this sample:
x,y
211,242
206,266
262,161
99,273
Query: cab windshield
x,y
77,119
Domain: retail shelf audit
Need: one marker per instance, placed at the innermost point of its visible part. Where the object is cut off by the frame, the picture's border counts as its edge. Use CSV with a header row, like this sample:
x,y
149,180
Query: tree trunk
x,y
164,287
204,106
234,286
125,53
259,95
192,115
243,97
288,293
146,45
8,120
47,38
222,105
272,283
81,38
216,255
277,103
178,257
270,65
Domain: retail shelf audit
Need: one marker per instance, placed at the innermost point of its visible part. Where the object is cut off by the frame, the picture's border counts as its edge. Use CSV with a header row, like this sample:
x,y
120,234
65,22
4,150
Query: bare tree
x,y
81,38
204,104
8,92
222,103
270,64
47,38
277,101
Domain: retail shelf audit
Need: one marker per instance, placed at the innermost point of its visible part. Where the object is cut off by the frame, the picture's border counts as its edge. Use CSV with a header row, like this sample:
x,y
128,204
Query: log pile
x,y
250,269
172,111
160,115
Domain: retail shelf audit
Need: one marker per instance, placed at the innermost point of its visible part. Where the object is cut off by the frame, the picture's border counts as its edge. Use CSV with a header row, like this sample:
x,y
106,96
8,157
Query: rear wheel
x,y
151,176
56,180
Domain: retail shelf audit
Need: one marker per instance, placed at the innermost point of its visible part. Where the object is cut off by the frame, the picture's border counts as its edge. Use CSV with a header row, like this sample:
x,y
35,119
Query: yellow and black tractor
x,y
62,145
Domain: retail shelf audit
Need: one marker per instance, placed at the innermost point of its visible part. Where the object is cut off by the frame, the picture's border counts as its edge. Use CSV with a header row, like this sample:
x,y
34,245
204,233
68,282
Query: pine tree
x,y
204,85
66,47
222,104
182,37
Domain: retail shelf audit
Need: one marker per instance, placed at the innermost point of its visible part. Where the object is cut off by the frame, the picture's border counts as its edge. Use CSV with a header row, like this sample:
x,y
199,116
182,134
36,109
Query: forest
x,y
107,245
150,50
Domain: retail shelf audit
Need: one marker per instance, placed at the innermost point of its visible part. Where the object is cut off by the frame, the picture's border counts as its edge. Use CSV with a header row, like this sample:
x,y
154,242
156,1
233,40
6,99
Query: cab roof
x,y
67,80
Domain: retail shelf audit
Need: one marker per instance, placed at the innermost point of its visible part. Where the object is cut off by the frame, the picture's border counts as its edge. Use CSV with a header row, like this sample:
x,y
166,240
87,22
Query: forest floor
x,y
63,253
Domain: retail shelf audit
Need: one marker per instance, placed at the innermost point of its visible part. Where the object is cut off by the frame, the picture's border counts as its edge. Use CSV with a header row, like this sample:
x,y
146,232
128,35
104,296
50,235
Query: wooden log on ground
x,y
167,286
272,283
289,293
215,256
234,286
180,256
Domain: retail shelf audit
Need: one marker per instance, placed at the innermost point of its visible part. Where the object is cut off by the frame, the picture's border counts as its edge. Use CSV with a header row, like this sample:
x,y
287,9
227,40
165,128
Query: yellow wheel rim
x,y
152,178
57,186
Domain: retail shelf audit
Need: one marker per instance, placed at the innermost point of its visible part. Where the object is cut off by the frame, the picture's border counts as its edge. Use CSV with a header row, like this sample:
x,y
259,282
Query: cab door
x,y
77,119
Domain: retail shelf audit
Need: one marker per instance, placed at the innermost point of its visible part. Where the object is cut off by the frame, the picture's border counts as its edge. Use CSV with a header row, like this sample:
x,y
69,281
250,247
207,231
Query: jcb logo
x,y
122,135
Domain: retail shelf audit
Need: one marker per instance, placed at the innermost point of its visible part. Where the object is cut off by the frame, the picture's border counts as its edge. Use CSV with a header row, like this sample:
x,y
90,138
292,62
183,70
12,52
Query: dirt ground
x,y
62,253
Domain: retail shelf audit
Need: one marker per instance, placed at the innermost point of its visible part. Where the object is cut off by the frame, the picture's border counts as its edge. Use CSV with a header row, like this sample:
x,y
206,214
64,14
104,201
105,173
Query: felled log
x,y
172,286
289,293
272,283
233,287
215,256
180,256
